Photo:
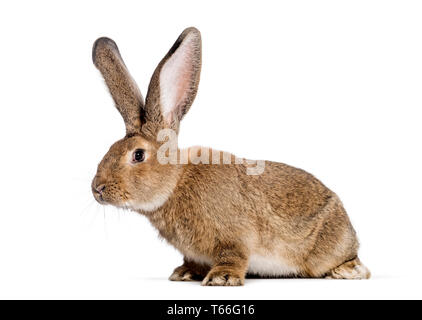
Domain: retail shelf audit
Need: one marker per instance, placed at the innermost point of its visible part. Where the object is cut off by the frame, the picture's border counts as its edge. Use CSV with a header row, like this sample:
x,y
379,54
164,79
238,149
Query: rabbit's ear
x,y
123,88
175,81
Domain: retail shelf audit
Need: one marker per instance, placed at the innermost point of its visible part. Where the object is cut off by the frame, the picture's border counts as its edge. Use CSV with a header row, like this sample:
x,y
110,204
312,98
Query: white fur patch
x,y
157,202
258,264
269,266
198,258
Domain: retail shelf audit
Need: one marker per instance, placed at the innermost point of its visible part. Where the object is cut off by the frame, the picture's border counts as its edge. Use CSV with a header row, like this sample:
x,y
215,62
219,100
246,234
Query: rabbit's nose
x,y
100,188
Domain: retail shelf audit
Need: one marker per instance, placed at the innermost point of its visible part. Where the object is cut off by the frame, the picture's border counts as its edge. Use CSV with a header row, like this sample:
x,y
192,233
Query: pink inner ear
x,y
176,79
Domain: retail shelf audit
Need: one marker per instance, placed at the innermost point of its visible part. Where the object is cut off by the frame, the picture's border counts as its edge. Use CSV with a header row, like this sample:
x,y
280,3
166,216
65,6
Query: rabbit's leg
x,y
189,271
229,268
353,269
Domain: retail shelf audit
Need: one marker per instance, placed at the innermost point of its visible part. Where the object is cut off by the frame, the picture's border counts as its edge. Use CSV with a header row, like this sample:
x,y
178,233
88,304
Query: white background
x,y
333,87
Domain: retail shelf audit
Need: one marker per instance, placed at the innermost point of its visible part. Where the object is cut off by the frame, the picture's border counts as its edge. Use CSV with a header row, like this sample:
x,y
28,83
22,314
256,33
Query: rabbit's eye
x,y
138,155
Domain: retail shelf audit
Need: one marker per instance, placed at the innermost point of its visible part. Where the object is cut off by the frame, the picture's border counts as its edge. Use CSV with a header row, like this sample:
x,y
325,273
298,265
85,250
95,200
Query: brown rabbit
x,y
226,221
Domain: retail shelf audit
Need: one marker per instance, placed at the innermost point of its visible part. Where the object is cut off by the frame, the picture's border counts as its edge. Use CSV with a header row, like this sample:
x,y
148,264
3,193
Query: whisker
x,y
82,179
94,217
88,206
105,223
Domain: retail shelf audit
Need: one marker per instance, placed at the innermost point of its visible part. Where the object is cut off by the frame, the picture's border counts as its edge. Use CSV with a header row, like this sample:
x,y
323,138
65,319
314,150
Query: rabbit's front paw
x,y
182,273
223,278
189,271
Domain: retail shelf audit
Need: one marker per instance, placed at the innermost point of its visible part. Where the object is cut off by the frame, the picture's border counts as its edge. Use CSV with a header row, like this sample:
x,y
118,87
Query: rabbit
x,y
227,223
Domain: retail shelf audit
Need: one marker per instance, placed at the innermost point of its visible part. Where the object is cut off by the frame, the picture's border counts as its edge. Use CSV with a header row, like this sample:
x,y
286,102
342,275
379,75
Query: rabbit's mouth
x,y
108,195
98,195
101,195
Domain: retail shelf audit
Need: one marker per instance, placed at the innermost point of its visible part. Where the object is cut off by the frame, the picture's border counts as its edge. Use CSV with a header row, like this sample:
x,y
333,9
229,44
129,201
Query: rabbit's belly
x,y
263,265
198,258
270,266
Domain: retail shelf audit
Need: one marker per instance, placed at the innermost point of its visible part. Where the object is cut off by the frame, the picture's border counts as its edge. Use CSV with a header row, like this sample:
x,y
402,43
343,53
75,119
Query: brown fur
x,y
218,216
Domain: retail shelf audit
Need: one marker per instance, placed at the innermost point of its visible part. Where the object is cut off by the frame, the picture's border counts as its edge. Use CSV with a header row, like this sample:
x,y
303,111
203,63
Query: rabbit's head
x,y
130,174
